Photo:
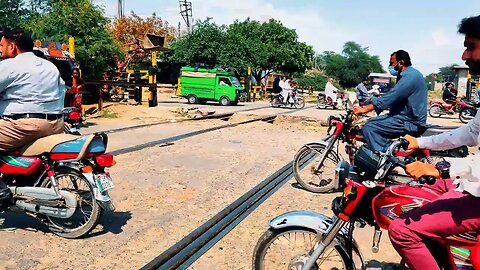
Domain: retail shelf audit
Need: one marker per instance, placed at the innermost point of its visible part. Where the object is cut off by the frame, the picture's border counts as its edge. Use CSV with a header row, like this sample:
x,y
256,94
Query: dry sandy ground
x,y
163,193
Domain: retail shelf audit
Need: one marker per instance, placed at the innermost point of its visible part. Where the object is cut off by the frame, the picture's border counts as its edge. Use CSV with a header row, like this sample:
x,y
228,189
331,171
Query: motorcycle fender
x,y
311,220
100,196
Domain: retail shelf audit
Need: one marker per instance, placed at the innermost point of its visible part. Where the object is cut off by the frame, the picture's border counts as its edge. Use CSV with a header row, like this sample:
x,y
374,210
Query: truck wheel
x,y
224,101
192,99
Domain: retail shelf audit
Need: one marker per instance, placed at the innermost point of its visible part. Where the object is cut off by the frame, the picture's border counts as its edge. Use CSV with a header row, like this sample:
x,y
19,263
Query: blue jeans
x,y
379,131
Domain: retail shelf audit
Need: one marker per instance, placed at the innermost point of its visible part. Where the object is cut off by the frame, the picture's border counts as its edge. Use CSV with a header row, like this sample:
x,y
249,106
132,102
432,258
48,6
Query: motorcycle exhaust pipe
x,y
44,201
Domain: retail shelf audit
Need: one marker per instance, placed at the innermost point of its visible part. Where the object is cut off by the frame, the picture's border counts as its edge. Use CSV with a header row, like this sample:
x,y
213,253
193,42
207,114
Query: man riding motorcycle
x,y
32,97
406,102
456,210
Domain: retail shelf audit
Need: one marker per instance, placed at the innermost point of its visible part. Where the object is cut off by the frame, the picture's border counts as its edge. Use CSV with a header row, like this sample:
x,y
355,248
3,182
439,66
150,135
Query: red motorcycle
x,y
318,176
323,102
62,180
466,109
375,195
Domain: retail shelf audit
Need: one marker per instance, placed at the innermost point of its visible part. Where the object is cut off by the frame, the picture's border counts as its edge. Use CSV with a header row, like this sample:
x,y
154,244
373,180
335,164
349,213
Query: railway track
x,y
185,252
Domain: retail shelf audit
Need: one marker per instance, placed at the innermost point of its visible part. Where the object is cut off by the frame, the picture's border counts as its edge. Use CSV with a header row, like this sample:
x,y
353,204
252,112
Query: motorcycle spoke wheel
x,y
305,169
289,250
435,111
88,211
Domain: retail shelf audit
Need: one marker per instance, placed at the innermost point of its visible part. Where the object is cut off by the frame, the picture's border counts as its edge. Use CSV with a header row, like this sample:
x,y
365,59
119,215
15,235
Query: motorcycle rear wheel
x,y
304,165
88,212
270,252
435,111
322,104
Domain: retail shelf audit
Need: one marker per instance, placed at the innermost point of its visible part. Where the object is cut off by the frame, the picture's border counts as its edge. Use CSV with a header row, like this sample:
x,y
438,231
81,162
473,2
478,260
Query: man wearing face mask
x,y
31,97
406,102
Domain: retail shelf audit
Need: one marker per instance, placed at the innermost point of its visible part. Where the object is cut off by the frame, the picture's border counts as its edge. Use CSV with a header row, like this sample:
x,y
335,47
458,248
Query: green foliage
x,y
94,46
265,47
11,13
447,73
202,45
350,67
316,81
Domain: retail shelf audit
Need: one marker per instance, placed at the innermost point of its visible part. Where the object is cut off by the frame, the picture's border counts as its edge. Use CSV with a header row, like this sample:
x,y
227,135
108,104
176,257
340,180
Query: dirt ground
x,y
163,193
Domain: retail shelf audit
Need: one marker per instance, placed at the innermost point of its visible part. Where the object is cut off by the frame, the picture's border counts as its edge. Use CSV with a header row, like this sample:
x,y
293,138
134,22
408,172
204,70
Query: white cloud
x,y
439,38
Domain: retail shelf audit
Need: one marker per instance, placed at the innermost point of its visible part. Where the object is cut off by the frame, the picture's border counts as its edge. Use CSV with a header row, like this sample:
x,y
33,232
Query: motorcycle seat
x,y
77,146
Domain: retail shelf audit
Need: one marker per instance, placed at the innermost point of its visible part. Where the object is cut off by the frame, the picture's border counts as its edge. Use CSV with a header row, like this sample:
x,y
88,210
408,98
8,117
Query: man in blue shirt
x,y
362,92
406,102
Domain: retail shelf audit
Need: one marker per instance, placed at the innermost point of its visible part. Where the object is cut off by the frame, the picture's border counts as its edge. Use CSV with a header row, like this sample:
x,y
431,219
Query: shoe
x,y
6,196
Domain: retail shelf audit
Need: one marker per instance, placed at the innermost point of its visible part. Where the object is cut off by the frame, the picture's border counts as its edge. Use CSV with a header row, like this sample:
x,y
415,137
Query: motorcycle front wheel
x,y
288,248
466,115
299,103
88,212
305,163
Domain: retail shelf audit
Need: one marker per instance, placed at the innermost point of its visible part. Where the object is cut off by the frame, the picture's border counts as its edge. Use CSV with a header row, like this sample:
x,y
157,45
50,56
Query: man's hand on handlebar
x,y
363,109
412,142
418,169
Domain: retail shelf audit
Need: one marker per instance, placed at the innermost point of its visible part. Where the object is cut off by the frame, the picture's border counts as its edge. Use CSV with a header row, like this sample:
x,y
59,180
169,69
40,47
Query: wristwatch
x,y
444,168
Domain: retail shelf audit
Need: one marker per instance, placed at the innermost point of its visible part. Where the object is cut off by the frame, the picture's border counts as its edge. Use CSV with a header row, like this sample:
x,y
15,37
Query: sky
x,y
427,29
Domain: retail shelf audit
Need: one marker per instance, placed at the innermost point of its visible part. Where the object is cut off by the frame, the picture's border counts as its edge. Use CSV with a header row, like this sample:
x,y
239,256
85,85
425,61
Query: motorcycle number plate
x,y
104,182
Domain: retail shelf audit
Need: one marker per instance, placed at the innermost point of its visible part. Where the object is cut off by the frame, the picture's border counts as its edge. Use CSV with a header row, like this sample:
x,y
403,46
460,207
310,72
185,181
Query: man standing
x,y
362,92
31,102
406,102
331,91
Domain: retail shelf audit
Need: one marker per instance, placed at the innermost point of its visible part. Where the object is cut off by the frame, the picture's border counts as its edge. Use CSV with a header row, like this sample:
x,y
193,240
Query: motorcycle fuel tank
x,y
396,200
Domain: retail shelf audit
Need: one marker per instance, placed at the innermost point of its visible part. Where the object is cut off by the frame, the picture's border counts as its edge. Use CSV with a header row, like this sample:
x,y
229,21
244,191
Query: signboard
x,y
381,80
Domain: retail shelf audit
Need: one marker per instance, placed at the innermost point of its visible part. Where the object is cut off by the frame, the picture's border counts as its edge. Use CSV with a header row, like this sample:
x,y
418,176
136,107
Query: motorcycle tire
x,y
300,103
265,242
466,114
275,102
435,111
322,104
65,230
312,151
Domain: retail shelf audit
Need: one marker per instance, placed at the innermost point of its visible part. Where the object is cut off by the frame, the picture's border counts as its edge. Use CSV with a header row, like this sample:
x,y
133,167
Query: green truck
x,y
200,85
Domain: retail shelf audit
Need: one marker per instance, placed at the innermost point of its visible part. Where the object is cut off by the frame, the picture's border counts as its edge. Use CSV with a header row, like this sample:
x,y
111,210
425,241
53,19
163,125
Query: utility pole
x,y
120,9
186,12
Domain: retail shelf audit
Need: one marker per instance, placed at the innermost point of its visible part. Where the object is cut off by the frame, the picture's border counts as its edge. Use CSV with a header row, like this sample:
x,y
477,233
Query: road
x,y
164,192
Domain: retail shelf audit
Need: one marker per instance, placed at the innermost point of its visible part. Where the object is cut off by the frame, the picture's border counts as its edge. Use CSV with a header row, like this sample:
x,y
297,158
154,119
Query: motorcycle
x,y
62,180
373,195
325,154
323,102
73,116
466,109
295,100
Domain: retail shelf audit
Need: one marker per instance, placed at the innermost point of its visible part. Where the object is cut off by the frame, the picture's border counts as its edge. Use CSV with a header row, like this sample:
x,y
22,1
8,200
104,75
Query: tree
x,y
129,28
12,13
94,45
353,65
265,47
203,45
447,73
